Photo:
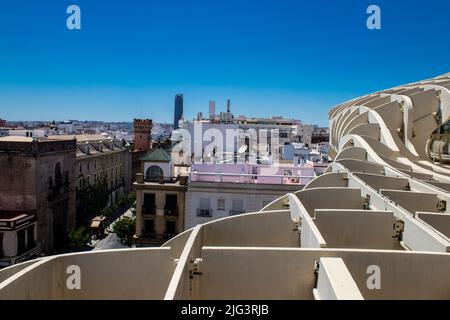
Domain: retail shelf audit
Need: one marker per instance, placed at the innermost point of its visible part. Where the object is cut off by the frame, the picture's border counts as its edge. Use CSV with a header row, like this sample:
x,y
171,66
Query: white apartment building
x,y
271,135
220,190
66,127
31,133
375,226
299,153
161,131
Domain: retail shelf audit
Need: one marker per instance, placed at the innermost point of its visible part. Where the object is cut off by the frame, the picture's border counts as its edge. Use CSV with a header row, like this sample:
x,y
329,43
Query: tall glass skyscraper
x,y
178,110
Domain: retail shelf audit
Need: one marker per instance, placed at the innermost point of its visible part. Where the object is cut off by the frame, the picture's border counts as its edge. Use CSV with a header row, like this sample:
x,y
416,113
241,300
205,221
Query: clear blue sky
x,y
292,58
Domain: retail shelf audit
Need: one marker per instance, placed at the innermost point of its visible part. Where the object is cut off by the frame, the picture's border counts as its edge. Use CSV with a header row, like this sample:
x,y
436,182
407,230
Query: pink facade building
x,y
219,190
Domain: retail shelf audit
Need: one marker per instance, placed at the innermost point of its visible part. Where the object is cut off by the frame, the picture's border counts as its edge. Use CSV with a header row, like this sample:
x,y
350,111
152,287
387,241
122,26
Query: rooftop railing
x,y
204,213
249,178
236,212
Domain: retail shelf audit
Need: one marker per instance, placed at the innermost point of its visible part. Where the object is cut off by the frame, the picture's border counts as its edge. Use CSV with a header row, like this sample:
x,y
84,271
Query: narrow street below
x,y
111,241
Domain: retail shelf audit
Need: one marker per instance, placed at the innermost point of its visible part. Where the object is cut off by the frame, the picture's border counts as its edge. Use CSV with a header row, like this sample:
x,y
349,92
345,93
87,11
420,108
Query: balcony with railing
x,y
11,220
149,209
236,212
252,174
171,210
204,213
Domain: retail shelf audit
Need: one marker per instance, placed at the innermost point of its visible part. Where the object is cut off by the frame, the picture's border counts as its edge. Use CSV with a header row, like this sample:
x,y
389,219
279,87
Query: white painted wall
x,y
252,202
67,128
30,133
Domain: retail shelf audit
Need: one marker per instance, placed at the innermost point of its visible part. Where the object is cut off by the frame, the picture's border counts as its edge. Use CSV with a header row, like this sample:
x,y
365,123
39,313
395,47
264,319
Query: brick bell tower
x,y
142,134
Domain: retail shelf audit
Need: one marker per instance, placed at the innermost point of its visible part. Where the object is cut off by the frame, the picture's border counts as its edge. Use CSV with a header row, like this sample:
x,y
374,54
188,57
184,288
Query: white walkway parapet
x,y
381,212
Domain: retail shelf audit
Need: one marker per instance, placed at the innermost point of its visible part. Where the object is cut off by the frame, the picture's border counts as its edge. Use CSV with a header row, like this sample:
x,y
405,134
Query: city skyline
x,y
287,59
224,150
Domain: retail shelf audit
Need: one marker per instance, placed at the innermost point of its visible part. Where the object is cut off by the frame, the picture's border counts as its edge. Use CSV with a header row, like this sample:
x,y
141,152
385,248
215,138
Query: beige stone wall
x,y
94,168
159,218
103,275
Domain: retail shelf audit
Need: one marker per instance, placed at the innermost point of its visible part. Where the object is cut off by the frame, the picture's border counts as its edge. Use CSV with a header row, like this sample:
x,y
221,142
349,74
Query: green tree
x,y
79,238
125,229
114,208
91,200
131,198
107,212
122,201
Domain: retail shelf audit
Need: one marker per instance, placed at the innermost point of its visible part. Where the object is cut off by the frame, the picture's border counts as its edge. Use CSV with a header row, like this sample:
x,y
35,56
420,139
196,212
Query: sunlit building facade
x,y
375,225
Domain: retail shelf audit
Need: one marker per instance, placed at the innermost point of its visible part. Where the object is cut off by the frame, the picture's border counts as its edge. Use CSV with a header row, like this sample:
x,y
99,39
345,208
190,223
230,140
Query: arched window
x,y
154,173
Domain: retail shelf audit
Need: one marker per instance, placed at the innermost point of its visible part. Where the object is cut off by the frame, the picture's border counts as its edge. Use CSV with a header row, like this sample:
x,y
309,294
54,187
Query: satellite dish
x,y
242,149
